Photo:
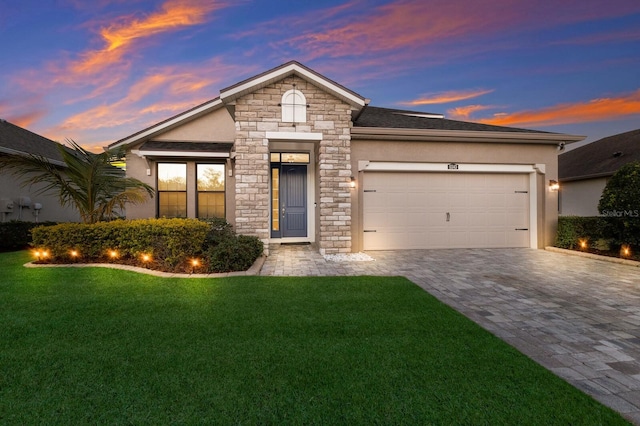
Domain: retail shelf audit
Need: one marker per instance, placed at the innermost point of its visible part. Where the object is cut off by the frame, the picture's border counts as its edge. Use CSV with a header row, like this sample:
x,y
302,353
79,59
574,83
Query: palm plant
x,y
89,182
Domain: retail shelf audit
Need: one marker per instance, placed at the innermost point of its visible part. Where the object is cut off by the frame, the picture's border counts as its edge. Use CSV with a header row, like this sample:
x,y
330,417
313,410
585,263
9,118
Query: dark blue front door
x,y
293,204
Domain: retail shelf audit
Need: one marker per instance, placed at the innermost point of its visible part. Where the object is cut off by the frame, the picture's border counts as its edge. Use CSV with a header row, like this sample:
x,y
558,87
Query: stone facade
x,y
259,112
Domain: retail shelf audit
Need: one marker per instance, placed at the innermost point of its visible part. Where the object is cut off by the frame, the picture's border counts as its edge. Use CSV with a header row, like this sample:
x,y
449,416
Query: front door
x,y
290,205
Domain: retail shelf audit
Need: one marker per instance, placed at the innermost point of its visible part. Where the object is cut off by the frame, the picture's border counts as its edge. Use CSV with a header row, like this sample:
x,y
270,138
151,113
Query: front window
x,y
172,190
210,186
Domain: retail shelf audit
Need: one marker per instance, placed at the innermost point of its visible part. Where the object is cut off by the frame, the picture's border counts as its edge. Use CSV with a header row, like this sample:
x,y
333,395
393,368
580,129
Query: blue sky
x,y
97,71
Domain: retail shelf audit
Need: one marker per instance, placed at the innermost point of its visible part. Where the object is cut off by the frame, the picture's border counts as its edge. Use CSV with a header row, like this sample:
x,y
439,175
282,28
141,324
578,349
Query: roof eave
x,y
180,154
384,133
10,151
586,177
169,124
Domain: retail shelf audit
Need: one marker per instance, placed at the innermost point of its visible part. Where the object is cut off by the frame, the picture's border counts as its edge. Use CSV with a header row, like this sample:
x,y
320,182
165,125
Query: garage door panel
x,y
409,210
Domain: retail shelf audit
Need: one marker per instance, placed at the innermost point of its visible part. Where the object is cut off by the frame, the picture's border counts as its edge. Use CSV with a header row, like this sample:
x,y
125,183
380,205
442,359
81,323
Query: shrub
x,y
573,229
169,241
620,205
219,230
16,235
234,253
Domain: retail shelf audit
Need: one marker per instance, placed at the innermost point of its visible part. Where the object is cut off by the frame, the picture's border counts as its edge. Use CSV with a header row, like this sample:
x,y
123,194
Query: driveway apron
x,y
578,317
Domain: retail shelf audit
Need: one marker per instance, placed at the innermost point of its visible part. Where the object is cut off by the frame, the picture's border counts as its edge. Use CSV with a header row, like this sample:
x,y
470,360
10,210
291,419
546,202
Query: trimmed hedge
x,y
234,253
16,235
169,241
573,229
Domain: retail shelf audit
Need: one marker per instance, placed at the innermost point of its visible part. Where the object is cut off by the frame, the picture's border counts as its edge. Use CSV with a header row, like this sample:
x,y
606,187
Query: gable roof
x,y
15,140
368,122
229,94
600,158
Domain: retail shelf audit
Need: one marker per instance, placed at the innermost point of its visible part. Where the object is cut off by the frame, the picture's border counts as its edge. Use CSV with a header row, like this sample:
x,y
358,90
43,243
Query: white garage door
x,y
445,210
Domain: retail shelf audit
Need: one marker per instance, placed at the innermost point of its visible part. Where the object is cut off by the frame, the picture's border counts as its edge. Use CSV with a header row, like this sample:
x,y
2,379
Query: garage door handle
x,y
370,230
522,229
448,216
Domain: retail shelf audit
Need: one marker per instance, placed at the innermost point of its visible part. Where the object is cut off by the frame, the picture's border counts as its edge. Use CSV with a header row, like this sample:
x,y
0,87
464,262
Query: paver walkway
x,y
578,317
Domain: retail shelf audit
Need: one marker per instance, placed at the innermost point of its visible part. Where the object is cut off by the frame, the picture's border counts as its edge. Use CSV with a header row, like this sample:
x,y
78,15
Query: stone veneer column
x,y
334,164
251,172
260,112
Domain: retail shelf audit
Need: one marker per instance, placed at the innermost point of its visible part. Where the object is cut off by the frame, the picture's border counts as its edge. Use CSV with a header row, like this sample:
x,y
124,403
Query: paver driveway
x,y
578,317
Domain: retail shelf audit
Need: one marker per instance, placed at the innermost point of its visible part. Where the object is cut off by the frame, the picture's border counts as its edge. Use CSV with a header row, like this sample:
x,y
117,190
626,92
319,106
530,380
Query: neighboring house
x,y
292,156
25,203
584,171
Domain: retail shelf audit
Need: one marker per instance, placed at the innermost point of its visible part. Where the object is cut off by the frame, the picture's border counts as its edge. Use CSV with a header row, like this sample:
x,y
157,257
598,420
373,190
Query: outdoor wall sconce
x,y
353,182
554,186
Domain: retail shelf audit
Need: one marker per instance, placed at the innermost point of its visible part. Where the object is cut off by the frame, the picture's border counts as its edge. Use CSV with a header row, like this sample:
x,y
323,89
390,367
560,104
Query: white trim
x,y
280,73
143,153
293,136
531,169
204,108
533,210
382,166
311,190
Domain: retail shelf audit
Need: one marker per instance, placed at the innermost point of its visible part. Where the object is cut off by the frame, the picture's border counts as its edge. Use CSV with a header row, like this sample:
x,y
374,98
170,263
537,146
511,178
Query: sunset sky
x,y
96,71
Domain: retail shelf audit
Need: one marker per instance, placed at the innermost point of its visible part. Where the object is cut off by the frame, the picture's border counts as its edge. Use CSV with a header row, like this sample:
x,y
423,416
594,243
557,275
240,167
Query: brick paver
x,y
578,317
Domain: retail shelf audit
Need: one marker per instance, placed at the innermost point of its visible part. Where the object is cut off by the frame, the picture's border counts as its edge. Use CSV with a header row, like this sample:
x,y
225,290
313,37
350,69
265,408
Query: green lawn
x,y
101,346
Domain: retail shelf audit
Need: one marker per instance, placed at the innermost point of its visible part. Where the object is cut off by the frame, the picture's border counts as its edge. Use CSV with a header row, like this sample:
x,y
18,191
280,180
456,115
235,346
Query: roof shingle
x,y
401,119
16,139
600,158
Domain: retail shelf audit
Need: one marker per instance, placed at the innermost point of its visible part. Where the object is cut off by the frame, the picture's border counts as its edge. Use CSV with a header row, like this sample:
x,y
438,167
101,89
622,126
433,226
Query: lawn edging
x,y
253,270
594,256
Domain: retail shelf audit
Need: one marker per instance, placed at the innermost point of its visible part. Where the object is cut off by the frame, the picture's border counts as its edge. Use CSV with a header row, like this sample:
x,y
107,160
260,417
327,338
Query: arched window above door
x,y
294,107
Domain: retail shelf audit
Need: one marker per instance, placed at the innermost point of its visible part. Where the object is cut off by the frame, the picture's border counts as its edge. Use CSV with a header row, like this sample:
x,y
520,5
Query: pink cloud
x,y
446,97
580,112
118,38
165,90
464,113
423,30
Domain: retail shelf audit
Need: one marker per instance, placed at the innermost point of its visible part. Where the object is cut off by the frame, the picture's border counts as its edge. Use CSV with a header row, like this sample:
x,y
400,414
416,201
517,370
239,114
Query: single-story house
x,y
584,171
25,202
291,156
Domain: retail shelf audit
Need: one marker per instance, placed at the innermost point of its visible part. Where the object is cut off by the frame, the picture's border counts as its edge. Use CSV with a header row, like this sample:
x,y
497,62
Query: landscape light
x,y
195,262
146,258
113,254
583,244
626,251
74,253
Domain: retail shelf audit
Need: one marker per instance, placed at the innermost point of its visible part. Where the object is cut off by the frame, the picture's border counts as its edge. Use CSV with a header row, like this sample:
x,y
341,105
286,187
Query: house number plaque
x,y
452,166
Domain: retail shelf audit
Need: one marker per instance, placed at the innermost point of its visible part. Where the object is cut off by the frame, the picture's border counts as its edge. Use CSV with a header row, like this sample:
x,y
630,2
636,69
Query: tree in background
x,y
620,205
89,182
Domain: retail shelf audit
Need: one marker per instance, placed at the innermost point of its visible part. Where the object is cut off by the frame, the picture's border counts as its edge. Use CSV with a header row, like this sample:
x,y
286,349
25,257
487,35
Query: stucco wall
x,y
581,197
216,126
464,152
51,208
